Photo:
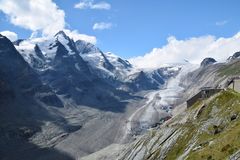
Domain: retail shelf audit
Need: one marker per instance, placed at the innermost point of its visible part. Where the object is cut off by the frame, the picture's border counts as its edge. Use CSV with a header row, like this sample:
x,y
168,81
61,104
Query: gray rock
x,y
207,62
234,56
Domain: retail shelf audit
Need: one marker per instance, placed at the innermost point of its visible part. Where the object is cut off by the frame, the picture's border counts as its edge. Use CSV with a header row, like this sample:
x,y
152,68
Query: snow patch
x,y
64,41
159,103
77,66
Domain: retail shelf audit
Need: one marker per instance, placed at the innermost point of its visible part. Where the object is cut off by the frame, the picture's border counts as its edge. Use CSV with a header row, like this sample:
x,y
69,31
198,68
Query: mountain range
x,y
66,99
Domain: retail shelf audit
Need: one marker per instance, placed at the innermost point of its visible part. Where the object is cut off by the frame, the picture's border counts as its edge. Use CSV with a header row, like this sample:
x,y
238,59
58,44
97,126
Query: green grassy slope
x,y
230,69
209,130
213,131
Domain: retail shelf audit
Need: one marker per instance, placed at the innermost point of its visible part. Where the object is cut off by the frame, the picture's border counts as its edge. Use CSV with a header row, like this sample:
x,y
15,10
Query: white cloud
x,y
34,14
193,49
89,4
221,23
77,36
10,35
102,26
38,16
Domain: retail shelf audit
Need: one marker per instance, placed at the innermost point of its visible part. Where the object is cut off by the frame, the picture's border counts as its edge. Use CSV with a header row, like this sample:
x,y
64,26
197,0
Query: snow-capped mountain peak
x,y
66,42
46,52
61,34
45,48
84,47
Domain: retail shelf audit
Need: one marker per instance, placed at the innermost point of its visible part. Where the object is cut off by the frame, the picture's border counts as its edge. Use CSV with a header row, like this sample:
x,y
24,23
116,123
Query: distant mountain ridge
x,y
41,54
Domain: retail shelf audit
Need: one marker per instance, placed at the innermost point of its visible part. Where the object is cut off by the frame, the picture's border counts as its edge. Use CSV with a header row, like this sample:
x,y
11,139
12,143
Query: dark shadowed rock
x,y
21,116
124,62
207,61
234,56
38,52
233,117
51,100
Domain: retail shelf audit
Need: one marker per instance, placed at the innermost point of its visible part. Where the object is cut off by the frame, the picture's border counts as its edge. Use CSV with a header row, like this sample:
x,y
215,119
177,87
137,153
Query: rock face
x,y
19,76
57,92
21,97
234,56
207,61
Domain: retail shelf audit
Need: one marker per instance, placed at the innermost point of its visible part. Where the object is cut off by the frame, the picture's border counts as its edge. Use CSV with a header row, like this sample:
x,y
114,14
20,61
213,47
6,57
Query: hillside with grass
x,y
230,69
210,129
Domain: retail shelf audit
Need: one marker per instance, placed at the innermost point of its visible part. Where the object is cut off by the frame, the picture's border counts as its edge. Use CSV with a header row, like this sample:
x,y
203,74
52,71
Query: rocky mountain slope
x,y
207,130
22,95
65,99
59,96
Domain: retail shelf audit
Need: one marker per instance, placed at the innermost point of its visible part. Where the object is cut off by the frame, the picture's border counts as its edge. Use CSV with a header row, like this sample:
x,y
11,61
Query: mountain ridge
x,y
67,95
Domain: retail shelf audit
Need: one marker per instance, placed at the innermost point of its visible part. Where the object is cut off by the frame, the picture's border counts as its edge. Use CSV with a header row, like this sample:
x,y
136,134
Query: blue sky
x,y
138,26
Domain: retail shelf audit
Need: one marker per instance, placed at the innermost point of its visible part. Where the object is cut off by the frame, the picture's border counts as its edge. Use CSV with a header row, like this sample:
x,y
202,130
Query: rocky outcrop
x,y
234,56
207,62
